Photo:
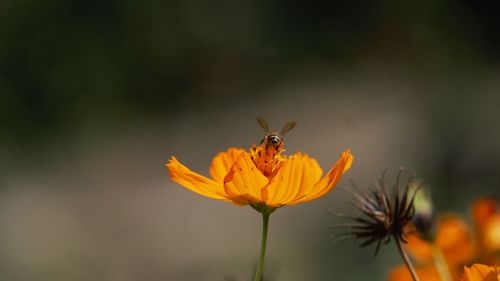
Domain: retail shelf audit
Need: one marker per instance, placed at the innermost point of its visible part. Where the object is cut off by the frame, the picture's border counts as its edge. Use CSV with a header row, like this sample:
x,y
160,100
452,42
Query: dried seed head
x,y
383,214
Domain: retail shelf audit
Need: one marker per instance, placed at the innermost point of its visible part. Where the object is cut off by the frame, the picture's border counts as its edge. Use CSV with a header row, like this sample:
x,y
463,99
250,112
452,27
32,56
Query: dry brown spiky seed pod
x,y
383,214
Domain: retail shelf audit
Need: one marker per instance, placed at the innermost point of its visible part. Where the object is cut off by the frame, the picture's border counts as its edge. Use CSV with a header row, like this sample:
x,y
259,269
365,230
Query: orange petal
x,y
244,182
296,177
454,239
480,272
222,162
195,182
401,273
328,182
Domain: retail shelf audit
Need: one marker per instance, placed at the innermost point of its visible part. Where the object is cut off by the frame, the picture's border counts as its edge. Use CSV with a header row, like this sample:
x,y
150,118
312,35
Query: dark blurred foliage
x,y
61,60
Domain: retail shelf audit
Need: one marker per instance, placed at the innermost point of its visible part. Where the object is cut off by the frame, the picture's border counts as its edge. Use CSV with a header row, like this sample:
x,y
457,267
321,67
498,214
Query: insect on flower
x,y
263,177
274,138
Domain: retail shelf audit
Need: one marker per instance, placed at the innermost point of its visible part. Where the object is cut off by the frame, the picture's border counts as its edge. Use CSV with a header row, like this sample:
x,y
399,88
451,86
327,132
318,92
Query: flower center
x,y
267,158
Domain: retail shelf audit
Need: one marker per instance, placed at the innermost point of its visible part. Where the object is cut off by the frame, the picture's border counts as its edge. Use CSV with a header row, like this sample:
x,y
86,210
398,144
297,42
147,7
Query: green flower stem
x,y
260,268
442,267
406,259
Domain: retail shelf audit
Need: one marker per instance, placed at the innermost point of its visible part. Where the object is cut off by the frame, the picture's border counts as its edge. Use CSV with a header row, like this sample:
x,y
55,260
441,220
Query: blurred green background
x,y
95,96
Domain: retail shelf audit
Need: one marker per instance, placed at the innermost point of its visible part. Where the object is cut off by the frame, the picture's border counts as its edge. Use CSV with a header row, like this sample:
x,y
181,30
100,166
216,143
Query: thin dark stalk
x,y
406,259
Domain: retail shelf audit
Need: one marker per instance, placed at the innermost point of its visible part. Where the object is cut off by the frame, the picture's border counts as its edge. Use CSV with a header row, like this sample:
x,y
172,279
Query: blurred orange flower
x,y
457,245
481,272
486,217
262,177
453,240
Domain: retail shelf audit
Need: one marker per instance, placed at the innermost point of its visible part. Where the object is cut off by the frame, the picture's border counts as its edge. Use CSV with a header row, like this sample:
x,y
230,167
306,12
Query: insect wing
x,y
263,124
288,126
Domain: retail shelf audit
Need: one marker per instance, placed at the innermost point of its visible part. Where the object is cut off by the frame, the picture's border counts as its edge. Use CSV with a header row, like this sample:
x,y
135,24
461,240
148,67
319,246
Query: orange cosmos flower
x,y
262,177
480,272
